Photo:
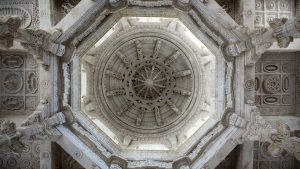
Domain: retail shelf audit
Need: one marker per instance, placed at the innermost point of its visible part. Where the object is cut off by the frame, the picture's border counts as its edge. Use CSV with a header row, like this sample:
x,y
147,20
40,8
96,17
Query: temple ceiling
x,y
135,84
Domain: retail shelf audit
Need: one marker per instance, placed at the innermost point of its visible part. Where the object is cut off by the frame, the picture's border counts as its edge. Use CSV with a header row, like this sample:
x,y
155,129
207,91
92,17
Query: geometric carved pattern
x,y
19,83
275,77
267,10
262,160
27,159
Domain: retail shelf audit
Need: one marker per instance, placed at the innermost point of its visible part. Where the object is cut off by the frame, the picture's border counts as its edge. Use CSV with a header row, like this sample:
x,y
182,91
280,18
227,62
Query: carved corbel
x,y
40,124
183,5
235,120
117,162
278,136
39,42
115,5
258,41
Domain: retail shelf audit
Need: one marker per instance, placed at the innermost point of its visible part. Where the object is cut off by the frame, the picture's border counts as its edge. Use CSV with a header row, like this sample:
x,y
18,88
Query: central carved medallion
x,y
149,81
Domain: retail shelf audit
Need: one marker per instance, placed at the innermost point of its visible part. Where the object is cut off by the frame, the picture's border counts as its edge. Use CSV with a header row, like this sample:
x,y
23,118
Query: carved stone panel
x,y
267,10
262,160
19,83
275,78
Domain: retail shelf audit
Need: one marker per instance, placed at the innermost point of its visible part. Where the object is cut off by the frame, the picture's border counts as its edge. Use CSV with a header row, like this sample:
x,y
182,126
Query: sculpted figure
x,y
9,137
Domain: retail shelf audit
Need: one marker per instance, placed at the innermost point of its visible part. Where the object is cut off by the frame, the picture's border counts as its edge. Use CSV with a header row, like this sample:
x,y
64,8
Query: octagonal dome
x,y
149,85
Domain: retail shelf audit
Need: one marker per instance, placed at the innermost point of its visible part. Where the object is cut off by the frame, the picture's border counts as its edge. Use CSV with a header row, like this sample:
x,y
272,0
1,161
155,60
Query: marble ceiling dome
x,y
146,82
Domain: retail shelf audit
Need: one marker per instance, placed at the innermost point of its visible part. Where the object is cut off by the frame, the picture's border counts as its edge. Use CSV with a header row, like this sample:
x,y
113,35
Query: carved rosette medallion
x,y
272,84
12,82
147,83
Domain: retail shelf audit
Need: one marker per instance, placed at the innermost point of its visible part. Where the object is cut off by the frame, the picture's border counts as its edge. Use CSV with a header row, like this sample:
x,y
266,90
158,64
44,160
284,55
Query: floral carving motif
x,y
13,82
32,82
13,103
272,84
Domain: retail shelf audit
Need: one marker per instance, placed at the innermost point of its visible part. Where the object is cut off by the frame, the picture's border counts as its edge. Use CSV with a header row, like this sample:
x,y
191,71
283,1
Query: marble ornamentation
x,y
36,41
32,82
9,137
147,82
41,122
8,29
13,82
278,136
275,84
26,18
12,61
12,103
260,40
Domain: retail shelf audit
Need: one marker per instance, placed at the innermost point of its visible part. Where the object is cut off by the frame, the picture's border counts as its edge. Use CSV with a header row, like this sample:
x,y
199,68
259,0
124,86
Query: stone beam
x,y
82,153
208,157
